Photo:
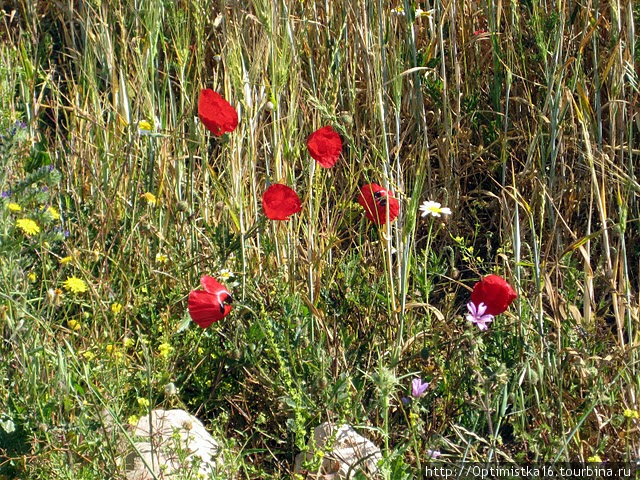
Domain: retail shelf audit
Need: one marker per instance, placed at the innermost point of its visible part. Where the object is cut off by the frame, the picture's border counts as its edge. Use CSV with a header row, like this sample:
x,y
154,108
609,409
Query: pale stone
x,y
345,453
174,440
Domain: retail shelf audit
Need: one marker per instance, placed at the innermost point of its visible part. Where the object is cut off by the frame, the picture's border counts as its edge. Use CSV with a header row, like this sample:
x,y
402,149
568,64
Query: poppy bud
x,y
346,119
170,389
183,206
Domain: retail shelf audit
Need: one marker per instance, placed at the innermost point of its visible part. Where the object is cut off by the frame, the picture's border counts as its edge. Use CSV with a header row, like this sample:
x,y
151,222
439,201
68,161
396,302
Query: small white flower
x,y
145,127
225,274
399,10
423,13
434,209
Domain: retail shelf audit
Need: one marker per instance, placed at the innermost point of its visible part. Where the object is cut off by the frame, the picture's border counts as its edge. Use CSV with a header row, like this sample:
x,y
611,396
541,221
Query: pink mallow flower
x,y
433,454
418,387
478,316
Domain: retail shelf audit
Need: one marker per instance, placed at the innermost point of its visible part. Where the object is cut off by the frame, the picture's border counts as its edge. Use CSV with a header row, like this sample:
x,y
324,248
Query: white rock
x,y
346,452
170,444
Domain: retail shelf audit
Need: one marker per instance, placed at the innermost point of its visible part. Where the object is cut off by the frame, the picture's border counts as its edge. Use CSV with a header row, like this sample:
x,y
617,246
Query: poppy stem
x,y
311,233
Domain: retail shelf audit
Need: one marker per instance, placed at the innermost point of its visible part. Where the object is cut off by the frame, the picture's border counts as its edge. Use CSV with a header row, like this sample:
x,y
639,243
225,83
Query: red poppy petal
x,y
325,146
216,113
394,207
211,285
375,209
368,203
204,308
280,201
495,292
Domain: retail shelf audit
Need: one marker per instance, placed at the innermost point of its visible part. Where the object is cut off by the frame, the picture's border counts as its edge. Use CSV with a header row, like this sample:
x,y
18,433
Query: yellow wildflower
x,y
52,212
144,127
116,308
74,285
143,402
28,226
66,259
150,198
133,420
594,459
14,207
165,349
128,342
628,413
109,348
74,325
89,355
161,258
32,276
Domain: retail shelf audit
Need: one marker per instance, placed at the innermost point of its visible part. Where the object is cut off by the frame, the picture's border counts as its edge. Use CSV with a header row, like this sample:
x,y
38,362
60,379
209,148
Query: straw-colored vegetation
x,y
519,116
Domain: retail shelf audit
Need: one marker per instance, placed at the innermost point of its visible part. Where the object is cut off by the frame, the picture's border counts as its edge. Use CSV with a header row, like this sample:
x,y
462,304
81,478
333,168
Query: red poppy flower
x,y
216,113
375,200
325,146
280,201
495,293
210,305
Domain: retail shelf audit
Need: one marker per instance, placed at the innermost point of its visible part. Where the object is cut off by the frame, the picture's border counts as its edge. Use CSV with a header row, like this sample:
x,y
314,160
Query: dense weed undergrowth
x,y
519,117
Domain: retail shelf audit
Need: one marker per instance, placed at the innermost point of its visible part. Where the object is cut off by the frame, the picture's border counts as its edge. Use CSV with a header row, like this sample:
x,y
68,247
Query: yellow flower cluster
x,y
150,198
53,213
116,308
165,349
133,420
74,325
